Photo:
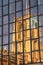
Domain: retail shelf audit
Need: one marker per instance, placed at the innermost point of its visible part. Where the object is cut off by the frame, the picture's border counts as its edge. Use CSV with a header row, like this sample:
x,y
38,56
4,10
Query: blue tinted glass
x,y
40,9
12,8
40,20
0,2
33,3
18,6
34,11
5,39
5,19
11,1
5,29
40,2
5,10
0,20
12,17
18,14
0,11
5,2
25,4
0,30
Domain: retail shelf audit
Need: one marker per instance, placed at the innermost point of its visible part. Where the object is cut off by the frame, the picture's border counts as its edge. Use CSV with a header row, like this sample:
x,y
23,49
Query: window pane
x,y
35,57
5,39
0,20
0,53
19,26
26,24
26,14
5,10
11,1
19,47
18,0
19,56
5,29
12,27
12,38
34,11
26,34
5,2
41,52
35,45
33,3
40,20
40,9
18,6
5,50
0,30
27,58
0,40
41,43
34,22
41,31
5,19
25,4
40,2
18,14
0,11
12,18
0,2
27,46
12,8
34,33
19,36
12,48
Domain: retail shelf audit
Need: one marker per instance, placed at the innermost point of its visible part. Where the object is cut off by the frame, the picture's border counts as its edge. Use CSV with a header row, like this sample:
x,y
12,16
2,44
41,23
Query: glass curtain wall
x,y
21,32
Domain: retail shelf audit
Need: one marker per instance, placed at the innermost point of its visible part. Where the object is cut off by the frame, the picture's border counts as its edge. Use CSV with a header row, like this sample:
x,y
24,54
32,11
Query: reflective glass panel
x,y
5,39
5,2
18,6
12,8
5,19
5,10
0,11
5,29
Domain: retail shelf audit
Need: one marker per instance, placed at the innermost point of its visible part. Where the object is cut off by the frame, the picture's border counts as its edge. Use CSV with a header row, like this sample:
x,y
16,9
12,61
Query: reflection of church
x,y
27,45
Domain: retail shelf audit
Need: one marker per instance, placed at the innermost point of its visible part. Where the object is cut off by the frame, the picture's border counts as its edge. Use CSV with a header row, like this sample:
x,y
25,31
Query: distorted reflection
x,y
21,32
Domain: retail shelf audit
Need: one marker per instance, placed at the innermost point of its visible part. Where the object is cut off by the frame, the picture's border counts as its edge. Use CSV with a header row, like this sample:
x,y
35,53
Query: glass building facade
x,y
21,32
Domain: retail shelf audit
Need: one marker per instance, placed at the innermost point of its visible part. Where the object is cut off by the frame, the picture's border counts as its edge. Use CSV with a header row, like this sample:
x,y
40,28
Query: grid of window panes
x,y
21,32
